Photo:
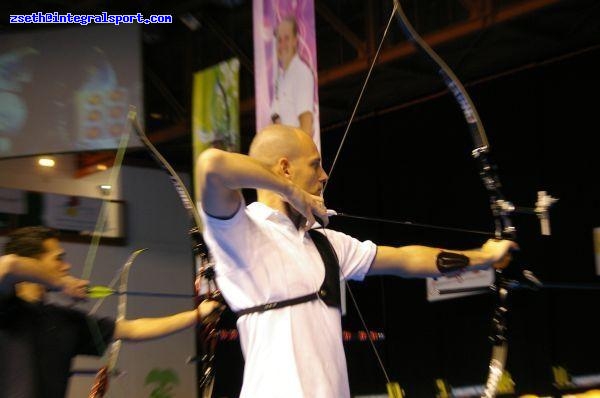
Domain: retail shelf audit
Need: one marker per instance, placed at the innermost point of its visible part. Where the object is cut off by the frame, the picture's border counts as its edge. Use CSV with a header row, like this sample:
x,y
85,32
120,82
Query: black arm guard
x,y
450,262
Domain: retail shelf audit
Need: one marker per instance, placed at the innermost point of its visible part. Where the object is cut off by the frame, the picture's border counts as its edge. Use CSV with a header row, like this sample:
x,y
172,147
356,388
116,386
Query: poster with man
x,y
285,64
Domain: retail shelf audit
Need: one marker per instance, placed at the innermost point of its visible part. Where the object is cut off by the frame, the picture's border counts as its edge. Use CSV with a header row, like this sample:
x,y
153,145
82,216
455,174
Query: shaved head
x,y
276,141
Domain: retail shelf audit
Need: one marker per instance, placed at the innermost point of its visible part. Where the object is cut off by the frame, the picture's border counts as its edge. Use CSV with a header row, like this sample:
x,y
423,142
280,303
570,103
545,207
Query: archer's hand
x,y
73,287
6,264
310,206
500,251
503,262
209,311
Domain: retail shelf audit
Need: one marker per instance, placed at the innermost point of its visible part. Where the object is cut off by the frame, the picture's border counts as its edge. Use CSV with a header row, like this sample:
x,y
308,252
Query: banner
x,y
216,108
285,65
466,284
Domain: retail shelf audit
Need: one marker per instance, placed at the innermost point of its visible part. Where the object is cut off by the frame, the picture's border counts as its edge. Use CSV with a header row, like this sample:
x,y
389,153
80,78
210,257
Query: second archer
x,y
40,340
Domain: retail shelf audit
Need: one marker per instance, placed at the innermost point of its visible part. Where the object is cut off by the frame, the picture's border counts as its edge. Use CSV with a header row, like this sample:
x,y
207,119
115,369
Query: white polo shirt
x,y
294,92
295,351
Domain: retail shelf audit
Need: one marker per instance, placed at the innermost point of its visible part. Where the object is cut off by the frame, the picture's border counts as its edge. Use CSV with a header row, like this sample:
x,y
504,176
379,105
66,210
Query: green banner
x,y
216,108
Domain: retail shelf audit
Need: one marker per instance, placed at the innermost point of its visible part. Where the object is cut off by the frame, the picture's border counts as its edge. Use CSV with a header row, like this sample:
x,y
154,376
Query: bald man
x,y
280,275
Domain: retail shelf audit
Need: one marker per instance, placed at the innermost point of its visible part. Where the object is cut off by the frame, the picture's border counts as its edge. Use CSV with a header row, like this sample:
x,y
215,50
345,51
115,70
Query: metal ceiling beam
x,y
370,27
445,35
344,31
477,8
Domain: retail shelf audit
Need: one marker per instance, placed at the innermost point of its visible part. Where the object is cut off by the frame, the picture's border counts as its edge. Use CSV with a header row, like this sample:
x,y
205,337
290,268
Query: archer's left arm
x,y
423,261
152,328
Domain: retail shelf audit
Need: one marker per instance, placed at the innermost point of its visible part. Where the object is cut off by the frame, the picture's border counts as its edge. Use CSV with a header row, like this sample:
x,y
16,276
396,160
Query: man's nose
x,y
65,266
324,175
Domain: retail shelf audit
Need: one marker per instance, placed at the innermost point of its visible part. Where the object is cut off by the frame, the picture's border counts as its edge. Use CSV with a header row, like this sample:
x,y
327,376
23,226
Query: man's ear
x,y
283,166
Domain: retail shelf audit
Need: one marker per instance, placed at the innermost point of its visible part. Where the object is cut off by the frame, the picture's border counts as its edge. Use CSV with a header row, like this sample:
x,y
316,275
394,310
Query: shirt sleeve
x,y
221,228
355,256
305,84
227,239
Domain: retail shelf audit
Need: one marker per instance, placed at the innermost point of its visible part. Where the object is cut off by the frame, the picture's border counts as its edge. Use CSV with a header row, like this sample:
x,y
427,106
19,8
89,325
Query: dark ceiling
x,y
479,39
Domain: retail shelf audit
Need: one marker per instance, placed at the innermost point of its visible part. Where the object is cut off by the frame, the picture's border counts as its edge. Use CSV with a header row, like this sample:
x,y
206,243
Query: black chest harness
x,y
329,291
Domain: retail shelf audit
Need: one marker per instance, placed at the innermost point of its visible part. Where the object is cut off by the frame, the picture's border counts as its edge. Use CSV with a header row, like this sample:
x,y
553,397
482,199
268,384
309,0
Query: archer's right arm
x,y
15,269
221,175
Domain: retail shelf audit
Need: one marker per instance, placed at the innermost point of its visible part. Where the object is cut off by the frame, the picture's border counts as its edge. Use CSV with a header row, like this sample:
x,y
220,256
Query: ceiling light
x,y
105,189
46,162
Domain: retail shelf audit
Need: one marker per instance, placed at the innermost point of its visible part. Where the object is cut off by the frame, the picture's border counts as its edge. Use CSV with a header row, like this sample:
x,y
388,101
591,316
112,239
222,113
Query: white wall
x,y
156,220
24,173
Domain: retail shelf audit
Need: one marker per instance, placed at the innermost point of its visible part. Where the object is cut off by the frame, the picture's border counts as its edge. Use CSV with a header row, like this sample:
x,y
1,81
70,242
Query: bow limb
x,y
101,382
205,284
101,220
500,207
102,376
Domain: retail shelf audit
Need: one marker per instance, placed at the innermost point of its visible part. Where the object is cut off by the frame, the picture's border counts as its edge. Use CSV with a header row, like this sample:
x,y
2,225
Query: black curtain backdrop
x,y
415,164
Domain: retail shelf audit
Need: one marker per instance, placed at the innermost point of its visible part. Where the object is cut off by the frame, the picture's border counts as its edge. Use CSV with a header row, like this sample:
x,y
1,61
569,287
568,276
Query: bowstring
x,y
345,135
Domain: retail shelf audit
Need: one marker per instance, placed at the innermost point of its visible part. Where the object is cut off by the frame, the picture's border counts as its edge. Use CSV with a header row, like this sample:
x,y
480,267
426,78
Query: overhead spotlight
x,y
105,189
101,167
46,162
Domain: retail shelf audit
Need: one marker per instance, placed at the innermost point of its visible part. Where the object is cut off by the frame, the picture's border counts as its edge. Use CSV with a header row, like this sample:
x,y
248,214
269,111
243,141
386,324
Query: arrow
x,y
100,292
